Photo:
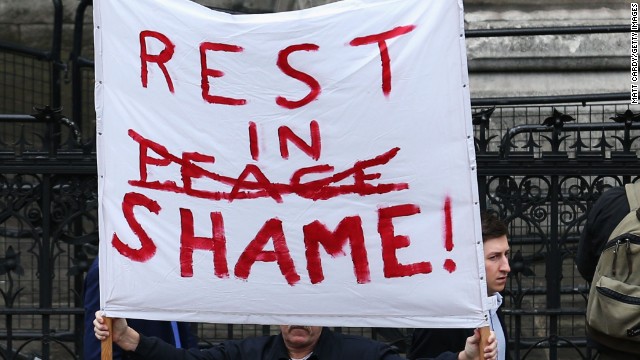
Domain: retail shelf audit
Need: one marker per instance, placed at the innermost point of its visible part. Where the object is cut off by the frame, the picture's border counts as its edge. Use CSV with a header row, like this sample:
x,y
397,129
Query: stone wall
x,y
499,66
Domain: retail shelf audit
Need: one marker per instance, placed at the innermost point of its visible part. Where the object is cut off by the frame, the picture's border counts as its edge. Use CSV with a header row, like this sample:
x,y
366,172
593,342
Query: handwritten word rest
x,y
162,60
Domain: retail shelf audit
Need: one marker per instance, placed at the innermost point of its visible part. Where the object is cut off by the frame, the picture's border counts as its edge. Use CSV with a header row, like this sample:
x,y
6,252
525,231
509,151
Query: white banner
x,y
308,167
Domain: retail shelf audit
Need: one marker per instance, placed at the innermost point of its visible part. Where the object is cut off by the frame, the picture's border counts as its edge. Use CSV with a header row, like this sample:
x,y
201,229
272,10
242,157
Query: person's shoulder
x,y
361,343
605,214
254,340
612,196
251,347
607,211
349,338
429,342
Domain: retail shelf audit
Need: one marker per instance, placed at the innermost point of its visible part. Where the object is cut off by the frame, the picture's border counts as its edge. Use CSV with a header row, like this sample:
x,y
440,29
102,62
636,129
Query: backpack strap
x,y
629,224
633,195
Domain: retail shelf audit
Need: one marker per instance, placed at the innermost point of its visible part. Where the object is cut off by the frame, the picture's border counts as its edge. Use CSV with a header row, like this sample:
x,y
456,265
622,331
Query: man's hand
x,y
471,347
123,335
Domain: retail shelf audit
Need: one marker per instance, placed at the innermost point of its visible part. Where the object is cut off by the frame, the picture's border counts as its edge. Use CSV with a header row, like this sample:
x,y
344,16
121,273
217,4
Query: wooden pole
x,y
484,338
107,344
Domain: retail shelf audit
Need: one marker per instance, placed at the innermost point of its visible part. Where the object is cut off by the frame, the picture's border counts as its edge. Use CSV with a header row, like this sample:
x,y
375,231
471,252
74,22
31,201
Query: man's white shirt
x,y
497,329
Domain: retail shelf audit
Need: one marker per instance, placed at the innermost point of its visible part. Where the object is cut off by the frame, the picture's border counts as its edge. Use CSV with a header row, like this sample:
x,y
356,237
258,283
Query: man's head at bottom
x,y
300,337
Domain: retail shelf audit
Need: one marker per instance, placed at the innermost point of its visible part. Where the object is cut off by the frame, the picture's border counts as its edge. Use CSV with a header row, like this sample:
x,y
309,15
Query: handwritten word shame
x,y
163,58
316,235
243,187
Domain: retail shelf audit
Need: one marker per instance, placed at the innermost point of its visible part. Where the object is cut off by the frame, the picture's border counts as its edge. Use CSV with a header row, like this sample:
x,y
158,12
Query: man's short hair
x,y
492,226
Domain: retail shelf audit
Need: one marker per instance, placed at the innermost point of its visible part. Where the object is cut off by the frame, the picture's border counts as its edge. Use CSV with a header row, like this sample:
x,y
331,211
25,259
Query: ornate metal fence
x,y
542,162
542,175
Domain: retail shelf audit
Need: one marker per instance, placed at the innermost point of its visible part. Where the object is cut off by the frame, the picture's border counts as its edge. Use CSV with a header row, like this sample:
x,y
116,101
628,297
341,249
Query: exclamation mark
x,y
449,264
253,141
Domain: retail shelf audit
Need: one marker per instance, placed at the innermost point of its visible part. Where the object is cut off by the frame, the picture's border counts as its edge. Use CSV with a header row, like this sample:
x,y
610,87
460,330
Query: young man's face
x,y
496,263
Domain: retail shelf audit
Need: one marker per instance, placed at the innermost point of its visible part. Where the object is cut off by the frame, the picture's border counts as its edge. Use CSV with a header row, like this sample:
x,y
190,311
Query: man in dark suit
x,y
428,342
295,342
